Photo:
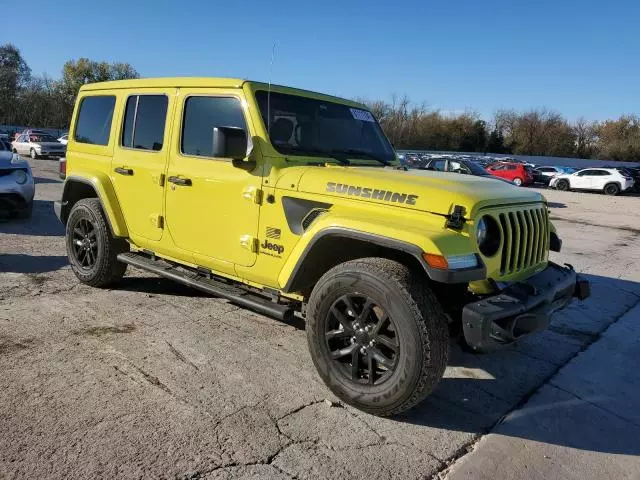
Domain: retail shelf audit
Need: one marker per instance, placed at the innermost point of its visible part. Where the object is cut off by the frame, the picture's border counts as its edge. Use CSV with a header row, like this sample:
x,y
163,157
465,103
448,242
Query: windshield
x,y
42,138
306,126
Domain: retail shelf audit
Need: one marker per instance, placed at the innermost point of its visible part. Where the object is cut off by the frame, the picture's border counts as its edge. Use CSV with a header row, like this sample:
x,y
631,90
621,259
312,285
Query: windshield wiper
x,y
361,153
315,152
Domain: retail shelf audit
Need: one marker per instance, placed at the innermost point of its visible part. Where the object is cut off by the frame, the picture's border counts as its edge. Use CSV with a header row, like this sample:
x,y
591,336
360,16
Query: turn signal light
x,y
436,261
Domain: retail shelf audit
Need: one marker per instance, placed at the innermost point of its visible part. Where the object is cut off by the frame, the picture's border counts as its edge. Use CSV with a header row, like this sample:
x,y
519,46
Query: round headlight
x,y
20,176
488,236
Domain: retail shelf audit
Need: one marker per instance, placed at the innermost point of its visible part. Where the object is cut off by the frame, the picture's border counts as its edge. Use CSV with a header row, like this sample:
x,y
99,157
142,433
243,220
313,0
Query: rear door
x,y
139,160
600,178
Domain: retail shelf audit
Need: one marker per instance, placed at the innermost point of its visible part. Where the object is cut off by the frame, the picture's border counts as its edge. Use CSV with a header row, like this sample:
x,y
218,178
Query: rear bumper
x,y
522,308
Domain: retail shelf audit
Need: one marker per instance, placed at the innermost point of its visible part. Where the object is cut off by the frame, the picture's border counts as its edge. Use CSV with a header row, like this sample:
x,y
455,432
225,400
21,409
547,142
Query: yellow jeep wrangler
x,y
289,202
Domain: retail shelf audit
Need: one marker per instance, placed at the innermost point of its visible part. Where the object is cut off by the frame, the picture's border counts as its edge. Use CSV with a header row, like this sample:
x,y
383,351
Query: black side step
x,y
235,295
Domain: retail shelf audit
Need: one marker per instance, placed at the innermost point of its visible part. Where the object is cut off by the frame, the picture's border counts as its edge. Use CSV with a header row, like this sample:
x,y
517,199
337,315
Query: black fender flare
x,y
337,233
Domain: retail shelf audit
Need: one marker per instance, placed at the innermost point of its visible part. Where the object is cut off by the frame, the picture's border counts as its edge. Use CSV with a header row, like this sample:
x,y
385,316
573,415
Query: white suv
x,y
607,180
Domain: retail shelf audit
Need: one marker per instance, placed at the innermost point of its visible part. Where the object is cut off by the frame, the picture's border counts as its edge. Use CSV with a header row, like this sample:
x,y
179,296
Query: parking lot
x,y
153,379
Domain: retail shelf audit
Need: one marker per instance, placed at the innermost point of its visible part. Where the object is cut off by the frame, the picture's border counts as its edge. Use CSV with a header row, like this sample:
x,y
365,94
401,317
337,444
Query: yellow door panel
x,y
140,157
212,206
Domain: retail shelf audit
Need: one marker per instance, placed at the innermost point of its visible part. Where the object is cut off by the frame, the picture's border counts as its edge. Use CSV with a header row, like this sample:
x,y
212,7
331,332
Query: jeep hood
x,y
429,191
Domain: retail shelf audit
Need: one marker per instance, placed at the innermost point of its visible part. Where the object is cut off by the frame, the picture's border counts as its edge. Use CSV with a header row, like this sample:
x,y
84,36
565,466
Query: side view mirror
x,y
230,142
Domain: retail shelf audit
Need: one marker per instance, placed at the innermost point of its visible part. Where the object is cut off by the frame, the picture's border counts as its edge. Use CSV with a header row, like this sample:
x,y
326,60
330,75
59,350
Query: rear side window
x,y
144,121
201,115
94,120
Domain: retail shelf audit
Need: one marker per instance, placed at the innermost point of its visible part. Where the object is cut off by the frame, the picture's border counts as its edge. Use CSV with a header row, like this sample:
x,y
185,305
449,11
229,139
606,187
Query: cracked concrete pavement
x,y
155,380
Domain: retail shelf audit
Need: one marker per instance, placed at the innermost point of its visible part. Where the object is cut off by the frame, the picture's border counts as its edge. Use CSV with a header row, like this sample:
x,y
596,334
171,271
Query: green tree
x,y
14,74
620,139
495,143
76,73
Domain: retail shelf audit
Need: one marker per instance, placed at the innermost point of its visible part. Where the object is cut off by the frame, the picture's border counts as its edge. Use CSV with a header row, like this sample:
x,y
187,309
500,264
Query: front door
x,y
212,206
139,160
582,180
21,145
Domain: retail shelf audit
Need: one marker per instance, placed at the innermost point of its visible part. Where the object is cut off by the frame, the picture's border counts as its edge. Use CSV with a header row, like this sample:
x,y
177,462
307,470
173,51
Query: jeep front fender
x,y
407,238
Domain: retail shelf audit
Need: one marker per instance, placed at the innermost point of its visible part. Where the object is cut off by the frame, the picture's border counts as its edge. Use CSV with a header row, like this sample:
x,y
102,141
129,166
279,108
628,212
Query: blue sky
x,y
577,57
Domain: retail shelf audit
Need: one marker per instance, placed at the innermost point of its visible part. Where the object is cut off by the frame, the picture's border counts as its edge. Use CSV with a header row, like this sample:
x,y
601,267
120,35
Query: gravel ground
x,y
155,380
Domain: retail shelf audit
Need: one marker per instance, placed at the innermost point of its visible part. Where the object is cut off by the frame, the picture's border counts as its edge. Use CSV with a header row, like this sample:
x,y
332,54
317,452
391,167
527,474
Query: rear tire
x,y
612,189
563,185
91,248
517,181
403,334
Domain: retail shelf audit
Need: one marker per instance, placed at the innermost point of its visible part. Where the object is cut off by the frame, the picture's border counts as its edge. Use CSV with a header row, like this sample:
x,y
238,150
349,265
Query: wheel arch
x,y
614,182
78,187
334,245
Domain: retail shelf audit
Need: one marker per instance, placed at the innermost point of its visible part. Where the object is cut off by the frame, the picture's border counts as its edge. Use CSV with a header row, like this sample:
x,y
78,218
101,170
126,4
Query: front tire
x,y
33,154
91,248
611,189
563,185
517,181
377,335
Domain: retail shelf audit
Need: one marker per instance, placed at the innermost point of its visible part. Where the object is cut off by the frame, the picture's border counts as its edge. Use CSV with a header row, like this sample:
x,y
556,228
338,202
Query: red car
x,y
518,173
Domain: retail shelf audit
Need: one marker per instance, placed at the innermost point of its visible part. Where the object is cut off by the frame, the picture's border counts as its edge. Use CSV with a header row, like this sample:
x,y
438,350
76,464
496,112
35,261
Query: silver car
x,y
17,187
38,145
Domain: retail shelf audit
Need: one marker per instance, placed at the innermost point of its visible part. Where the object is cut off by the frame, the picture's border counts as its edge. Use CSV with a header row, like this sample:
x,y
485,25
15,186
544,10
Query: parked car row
x,y
611,180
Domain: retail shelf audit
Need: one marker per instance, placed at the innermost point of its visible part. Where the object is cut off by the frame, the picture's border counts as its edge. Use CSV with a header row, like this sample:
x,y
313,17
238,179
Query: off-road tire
x,y
33,154
611,189
563,185
107,269
422,333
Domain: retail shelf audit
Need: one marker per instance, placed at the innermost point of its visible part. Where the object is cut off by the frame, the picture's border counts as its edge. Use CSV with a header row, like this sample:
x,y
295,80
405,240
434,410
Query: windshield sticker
x,y
362,115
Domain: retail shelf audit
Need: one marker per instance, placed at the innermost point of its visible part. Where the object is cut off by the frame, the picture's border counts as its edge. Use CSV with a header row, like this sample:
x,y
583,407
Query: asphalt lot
x,y
154,380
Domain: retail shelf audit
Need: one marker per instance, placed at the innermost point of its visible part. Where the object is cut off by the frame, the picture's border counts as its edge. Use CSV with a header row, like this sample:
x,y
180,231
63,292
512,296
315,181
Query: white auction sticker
x,y
362,115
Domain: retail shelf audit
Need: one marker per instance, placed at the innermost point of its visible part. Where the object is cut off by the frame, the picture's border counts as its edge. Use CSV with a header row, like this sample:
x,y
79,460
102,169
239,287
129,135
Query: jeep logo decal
x,y
272,246
375,194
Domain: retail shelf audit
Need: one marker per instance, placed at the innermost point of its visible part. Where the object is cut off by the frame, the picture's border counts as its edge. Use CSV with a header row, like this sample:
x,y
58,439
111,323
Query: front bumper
x,y
521,308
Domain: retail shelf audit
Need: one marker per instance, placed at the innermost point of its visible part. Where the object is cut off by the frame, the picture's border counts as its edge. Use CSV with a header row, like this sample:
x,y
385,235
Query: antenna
x,y
273,56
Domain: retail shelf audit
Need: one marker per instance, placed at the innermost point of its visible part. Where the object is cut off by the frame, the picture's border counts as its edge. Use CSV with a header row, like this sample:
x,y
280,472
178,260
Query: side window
x,y
511,167
201,115
94,120
144,121
438,165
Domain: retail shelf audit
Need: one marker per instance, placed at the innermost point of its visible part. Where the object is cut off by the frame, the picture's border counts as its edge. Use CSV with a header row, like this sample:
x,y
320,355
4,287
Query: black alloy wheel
x,y
362,340
85,243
